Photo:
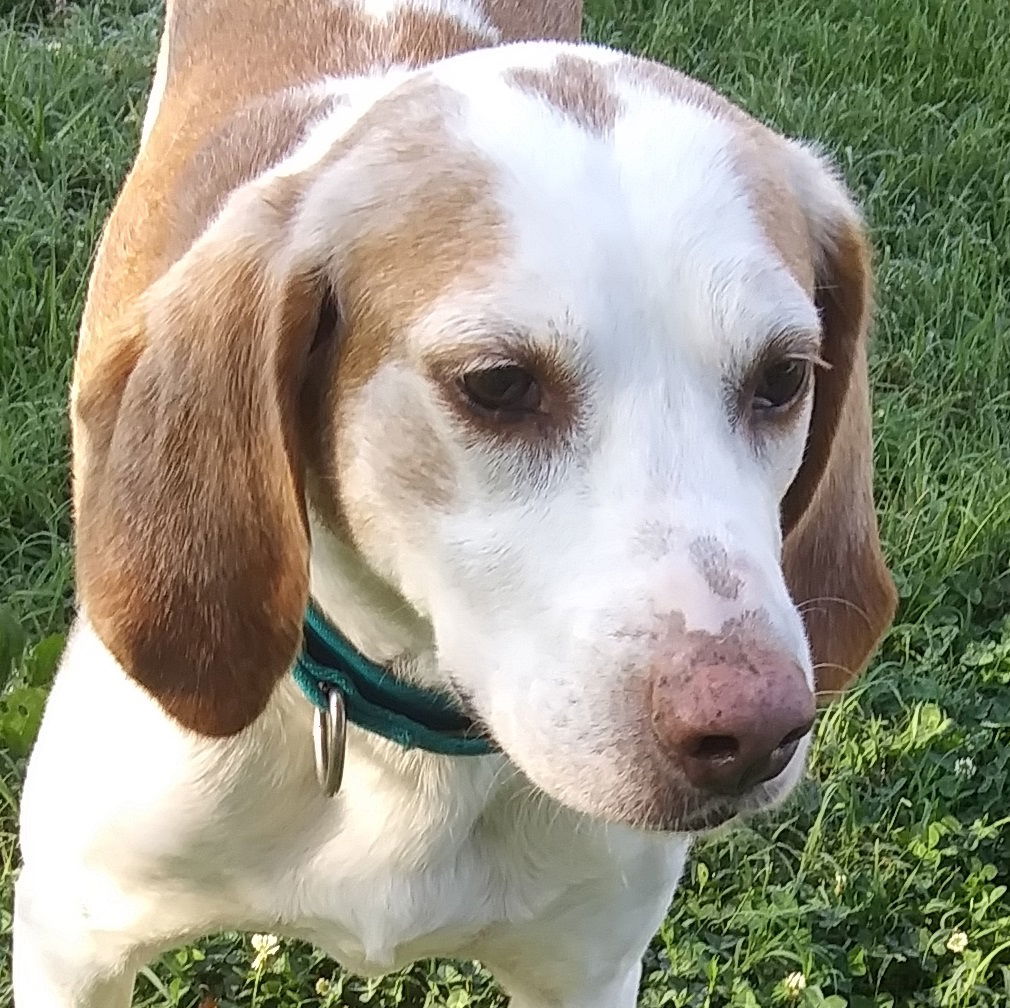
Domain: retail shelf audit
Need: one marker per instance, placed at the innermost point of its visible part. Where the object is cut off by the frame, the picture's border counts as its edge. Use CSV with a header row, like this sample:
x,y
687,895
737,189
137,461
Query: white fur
x,y
157,90
469,14
419,855
638,255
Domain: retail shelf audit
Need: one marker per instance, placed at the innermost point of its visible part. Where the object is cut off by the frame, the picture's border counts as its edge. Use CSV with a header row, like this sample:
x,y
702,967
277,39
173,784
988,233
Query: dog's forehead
x,y
627,189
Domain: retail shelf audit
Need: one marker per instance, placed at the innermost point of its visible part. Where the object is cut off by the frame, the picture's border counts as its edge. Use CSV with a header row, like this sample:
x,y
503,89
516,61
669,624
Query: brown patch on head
x,y
759,155
448,234
445,230
673,83
762,161
518,19
710,558
580,89
256,137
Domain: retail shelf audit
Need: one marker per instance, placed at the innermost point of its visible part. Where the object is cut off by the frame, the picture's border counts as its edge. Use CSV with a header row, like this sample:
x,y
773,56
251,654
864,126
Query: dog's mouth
x,y
700,814
717,816
703,817
671,806
675,811
681,817
675,807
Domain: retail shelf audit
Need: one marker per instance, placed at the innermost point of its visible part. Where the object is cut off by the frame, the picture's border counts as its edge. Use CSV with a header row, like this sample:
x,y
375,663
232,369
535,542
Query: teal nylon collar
x,y
413,717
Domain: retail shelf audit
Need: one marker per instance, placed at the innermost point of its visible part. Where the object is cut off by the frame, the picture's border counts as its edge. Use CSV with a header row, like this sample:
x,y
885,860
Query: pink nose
x,y
729,713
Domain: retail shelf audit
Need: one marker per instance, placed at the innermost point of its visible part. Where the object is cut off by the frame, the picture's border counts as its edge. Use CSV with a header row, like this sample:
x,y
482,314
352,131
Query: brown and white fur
x,y
339,211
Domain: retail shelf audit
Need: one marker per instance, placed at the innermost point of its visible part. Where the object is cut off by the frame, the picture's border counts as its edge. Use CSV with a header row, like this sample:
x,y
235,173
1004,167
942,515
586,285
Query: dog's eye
x,y
781,383
508,389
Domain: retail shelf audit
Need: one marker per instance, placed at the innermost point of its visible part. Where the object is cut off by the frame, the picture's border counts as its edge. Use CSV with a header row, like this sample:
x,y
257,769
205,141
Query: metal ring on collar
x,y
329,735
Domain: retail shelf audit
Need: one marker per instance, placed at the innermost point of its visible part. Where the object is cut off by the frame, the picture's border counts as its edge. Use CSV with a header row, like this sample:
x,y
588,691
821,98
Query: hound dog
x,y
513,395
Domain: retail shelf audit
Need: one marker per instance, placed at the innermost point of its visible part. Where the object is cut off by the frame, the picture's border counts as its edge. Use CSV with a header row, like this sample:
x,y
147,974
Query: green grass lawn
x,y
884,881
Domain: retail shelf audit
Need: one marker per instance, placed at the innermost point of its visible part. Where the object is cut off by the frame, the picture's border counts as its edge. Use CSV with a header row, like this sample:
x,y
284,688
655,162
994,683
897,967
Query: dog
x,y
472,486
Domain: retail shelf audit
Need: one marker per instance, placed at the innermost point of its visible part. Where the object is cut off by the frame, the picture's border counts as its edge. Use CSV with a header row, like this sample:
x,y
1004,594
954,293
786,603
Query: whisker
x,y
811,602
827,694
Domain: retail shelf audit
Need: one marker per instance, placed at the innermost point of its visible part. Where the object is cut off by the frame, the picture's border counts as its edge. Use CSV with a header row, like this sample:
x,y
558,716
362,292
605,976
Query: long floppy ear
x,y
831,556
192,548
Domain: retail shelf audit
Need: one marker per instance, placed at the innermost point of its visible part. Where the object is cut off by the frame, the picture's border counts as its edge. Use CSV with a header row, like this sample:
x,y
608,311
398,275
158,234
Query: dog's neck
x,y
368,612
455,792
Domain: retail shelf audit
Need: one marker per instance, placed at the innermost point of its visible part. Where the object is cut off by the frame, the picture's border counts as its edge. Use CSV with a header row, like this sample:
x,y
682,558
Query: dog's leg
x,y
64,959
588,953
115,868
589,967
618,991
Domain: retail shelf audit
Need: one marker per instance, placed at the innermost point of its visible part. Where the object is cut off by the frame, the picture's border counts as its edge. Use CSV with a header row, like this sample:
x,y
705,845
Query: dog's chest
x,y
417,856
501,893
392,872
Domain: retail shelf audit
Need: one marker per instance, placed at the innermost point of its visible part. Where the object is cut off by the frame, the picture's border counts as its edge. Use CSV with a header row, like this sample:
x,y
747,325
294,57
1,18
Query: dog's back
x,y
234,93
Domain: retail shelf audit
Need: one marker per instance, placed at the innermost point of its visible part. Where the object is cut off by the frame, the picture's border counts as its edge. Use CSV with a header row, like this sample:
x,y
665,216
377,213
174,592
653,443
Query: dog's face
x,y
566,316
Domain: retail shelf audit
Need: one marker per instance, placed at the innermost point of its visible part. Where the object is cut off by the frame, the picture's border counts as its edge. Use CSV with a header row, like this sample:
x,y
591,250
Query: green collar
x,y
413,717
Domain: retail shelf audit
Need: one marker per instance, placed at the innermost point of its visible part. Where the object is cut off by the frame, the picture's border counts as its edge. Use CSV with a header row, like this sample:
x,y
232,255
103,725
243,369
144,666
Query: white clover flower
x,y
795,984
323,986
266,947
841,881
964,767
957,942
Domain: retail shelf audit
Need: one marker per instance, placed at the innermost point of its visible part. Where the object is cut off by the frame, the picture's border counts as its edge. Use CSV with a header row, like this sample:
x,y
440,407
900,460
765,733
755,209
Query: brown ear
x,y
192,549
831,556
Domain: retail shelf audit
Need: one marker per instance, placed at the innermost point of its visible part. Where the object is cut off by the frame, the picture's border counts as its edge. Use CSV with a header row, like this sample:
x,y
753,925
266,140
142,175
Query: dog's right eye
x,y
506,391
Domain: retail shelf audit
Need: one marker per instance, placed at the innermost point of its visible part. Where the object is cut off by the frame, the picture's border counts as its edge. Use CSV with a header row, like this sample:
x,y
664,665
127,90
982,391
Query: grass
x,y
884,882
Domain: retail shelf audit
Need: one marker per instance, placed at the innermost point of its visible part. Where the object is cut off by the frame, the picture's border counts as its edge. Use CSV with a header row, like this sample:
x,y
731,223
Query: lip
x,y
698,814
708,818
705,815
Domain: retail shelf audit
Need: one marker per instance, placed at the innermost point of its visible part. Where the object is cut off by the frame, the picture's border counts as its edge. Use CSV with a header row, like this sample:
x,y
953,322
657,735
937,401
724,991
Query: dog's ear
x,y
831,555
192,543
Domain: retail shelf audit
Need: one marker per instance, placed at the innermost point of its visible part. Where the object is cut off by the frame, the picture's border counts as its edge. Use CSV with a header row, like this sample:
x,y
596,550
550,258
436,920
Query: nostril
x,y
715,748
725,732
794,736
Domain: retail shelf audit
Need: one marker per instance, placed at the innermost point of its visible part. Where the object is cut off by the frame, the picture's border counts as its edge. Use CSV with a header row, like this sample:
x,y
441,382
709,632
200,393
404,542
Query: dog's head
x,y
571,353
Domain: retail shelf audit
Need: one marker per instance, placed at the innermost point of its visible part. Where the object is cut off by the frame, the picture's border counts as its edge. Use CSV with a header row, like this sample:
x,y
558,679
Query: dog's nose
x,y
731,716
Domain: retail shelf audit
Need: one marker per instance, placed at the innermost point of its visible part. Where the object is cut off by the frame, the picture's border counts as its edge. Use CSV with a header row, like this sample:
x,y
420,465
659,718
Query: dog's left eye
x,y
781,383
508,389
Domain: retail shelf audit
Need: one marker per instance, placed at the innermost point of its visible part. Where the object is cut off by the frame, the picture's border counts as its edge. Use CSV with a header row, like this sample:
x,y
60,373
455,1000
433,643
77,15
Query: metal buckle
x,y
329,736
